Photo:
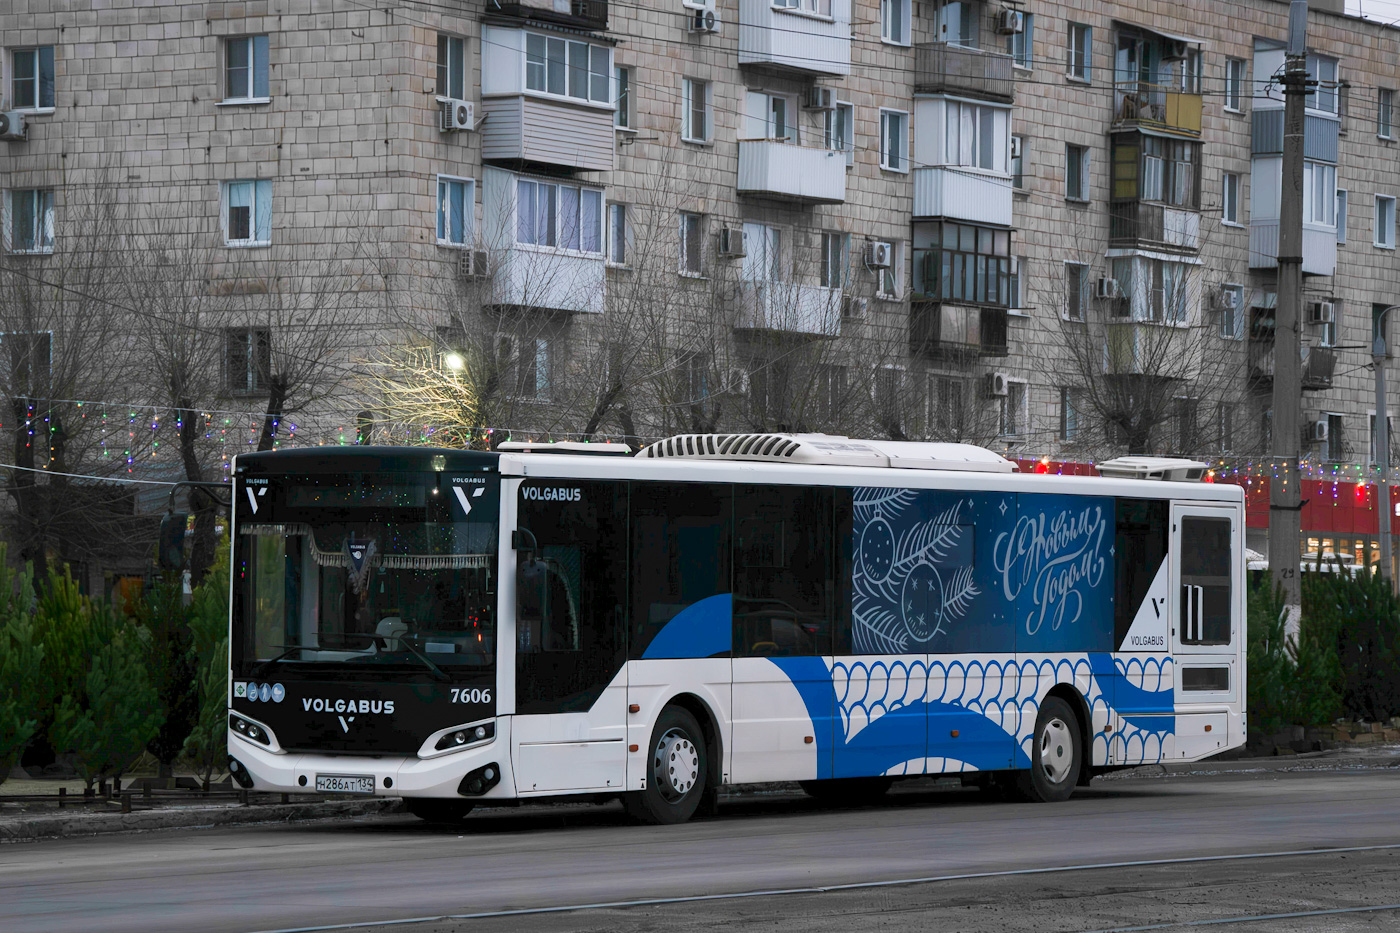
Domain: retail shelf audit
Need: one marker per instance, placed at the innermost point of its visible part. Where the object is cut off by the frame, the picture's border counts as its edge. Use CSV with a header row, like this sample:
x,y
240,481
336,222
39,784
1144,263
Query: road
x,y
264,877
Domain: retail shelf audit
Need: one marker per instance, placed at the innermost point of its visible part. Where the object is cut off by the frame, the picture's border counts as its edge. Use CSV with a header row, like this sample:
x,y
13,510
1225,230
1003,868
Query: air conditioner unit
x,y
704,21
853,307
12,125
995,385
458,115
1175,50
1226,299
1010,22
732,242
879,255
820,98
473,264
1317,431
1107,288
1015,147
1321,312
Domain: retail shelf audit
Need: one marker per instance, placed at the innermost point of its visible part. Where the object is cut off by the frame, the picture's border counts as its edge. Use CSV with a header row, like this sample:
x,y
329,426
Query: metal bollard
x,y
243,797
116,786
286,798
146,790
62,797
102,788
126,803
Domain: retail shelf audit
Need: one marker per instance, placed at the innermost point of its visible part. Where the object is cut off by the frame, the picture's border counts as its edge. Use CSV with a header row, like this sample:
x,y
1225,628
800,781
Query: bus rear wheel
x,y
847,791
678,769
1055,754
437,810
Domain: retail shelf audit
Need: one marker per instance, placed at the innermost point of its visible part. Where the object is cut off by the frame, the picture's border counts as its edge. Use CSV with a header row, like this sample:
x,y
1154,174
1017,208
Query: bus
x,y
462,628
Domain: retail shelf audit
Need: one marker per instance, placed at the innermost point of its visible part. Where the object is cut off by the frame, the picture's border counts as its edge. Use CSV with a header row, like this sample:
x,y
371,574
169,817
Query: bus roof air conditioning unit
x,y
732,242
458,115
821,98
1317,431
12,125
704,21
1171,469
829,450
878,255
995,385
1010,22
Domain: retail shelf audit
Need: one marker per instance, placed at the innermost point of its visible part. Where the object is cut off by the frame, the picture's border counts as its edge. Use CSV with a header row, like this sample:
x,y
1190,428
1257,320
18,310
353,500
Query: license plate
x,y
345,783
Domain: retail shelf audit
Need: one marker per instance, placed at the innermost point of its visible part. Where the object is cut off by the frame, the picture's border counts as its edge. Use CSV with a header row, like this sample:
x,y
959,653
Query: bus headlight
x,y
249,730
463,736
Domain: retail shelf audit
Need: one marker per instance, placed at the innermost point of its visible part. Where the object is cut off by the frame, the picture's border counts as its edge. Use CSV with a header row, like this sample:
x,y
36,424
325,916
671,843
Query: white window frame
x,y
817,9
1083,195
557,188
1320,191
442,224
1230,199
260,187
1234,85
1323,93
684,219
623,95
1327,330
38,106
1385,113
610,213
1070,413
1076,310
1024,56
889,283
835,259
254,375
1016,164
602,99
43,218
688,86
1341,216
1078,34
1383,231
966,124
1234,319
444,92
886,115
765,126
887,35
1018,287
253,65
832,120
1022,417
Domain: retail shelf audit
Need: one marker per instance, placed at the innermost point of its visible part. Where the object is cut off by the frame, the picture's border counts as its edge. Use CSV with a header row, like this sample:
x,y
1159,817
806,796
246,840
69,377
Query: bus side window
x,y
1139,547
782,571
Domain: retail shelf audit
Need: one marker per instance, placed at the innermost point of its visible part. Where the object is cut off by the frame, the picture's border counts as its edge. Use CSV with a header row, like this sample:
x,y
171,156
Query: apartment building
x,y
1048,227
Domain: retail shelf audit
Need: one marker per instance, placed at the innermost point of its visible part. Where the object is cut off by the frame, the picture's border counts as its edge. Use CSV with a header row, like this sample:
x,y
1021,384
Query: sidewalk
x,y
188,813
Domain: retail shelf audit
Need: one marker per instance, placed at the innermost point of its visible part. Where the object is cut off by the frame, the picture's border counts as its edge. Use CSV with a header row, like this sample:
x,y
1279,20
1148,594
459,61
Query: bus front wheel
x,y
438,811
1055,754
677,771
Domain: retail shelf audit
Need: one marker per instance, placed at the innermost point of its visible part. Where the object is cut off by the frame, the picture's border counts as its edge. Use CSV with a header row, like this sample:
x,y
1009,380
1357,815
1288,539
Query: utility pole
x,y
1382,441
1285,501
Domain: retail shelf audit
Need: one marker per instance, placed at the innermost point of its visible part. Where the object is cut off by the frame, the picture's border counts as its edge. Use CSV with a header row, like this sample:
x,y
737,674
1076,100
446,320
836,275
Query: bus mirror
x,y
171,546
522,539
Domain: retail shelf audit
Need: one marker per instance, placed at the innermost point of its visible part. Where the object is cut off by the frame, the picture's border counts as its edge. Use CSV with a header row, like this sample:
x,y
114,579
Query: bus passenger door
x,y
1207,623
569,732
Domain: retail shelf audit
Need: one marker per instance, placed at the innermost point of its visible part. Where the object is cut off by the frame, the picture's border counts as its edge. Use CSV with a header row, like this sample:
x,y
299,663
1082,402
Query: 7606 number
x,y
471,694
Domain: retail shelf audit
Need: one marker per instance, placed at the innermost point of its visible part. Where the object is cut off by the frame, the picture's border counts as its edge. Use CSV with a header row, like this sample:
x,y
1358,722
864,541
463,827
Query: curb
x,y
91,824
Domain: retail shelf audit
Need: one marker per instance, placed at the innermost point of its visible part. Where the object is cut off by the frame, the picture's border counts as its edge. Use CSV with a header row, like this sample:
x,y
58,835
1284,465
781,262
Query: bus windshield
x,y
376,590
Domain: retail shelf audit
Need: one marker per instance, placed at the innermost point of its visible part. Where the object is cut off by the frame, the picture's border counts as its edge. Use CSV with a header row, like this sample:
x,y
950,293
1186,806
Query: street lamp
x,y
1382,440
455,362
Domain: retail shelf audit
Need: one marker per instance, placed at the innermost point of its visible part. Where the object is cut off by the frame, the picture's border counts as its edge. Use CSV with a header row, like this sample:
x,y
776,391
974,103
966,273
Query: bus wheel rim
x,y
676,764
1056,750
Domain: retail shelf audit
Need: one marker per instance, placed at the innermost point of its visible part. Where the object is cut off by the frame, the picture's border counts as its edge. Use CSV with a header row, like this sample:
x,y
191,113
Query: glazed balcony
x,y
1144,224
1319,363
947,331
585,14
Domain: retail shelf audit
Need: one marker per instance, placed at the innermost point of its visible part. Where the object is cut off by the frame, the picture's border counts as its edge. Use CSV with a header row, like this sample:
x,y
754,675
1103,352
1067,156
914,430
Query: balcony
x,y
794,40
544,131
1149,350
959,194
945,331
1319,247
585,14
525,277
1143,224
785,308
1156,106
1318,366
942,66
774,169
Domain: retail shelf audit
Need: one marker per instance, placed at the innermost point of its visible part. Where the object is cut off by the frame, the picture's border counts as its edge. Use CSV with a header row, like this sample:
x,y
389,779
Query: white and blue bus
x,y
460,627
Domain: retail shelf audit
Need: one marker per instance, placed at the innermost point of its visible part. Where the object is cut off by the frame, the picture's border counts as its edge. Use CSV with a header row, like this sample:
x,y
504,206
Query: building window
x,y
1076,172
534,366
763,254
1319,194
1234,83
1341,216
1184,415
1384,108
1323,70
1076,291
1018,162
957,22
963,263
838,126
1225,426
835,247
1079,51
559,216
456,203
568,68
819,7
30,223
974,135
692,229
889,391
1390,437
1150,168
1324,313
894,140
617,234
623,118
31,78
247,210
1019,268
695,116
1019,45
451,67
1335,448
1070,414
247,359
1153,289
1015,410
1385,222
831,392
770,116
894,21
1232,312
245,68
1230,198
947,414
888,280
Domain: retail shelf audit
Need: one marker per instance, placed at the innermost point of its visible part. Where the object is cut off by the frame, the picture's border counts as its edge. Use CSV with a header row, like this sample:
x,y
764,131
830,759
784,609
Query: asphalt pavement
x,y
383,868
